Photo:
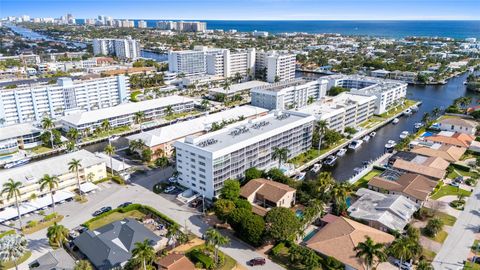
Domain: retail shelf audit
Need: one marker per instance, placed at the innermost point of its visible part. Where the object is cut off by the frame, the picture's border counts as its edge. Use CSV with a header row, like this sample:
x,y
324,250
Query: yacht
x,y
372,134
390,144
342,152
408,111
414,108
17,163
418,125
366,138
330,160
114,138
395,121
355,144
300,176
316,168
404,134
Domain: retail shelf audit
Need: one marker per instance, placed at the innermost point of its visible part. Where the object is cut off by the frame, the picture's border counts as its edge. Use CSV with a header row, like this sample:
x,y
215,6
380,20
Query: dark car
x,y
196,203
257,261
125,204
102,210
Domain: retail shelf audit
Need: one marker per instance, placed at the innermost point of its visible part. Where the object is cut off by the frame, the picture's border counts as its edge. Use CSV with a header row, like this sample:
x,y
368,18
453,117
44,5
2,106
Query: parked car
x,y
172,179
196,203
102,210
169,189
458,179
404,265
257,261
454,184
125,204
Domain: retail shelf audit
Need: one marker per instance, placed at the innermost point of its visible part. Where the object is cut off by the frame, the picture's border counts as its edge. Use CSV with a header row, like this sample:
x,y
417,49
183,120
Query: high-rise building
x,y
122,48
205,162
187,63
142,24
28,103
182,26
275,66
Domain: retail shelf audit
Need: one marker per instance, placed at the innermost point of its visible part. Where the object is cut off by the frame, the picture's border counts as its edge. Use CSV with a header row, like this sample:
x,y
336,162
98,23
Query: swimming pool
x,y
299,213
348,201
5,157
427,134
310,235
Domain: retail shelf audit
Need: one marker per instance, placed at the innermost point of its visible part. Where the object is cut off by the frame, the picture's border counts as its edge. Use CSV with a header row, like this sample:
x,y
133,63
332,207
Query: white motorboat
x,y
17,163
407,111
418,125
316,168
395,121
390,144
372,134
300,176
342,152
404,134
330,160
414,108
355,144
366,138
114,138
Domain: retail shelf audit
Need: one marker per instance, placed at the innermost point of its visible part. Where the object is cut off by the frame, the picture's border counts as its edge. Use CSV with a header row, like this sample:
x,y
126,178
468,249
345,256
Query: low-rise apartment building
x,y
124,114
205,162
21,136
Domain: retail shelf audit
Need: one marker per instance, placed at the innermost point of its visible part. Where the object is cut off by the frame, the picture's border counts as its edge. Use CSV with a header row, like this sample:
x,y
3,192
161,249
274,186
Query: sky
x,y
249,9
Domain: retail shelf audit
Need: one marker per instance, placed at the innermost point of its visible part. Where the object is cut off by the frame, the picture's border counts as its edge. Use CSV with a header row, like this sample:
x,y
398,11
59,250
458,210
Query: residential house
x,y
175,261
457,124
432,167
451,138
448,152
339,238
264,194
386,212
57,259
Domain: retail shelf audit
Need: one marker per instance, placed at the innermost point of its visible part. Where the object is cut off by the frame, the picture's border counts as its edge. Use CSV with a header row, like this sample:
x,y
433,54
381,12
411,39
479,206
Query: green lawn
x,y
393,111
312,154
456,172
428,254
114,216
10,264
371,122
42,225
363,182
229,264
180,115
108,133
476,244
440,237
40,149
447,190
5,233
282,258
471,266
445,218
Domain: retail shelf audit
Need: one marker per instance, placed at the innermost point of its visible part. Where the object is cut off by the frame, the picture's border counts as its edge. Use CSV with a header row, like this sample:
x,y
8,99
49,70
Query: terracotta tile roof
x,y
175,261
413,185
448,152
257,209
339,238
419,168
329,218
436,162
458,139
268,189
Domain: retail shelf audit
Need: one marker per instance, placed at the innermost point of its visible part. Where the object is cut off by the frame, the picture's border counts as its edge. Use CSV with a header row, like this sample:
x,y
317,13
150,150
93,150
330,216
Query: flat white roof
x,y
118,165
58,165
179,130
15,131
124,109
239,87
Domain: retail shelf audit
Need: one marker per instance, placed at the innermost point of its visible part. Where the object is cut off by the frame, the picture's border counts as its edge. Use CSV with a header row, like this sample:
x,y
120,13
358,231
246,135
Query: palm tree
x,y
12,248
281,154
322,126
74,166
143,253
205,103
215,239
169,110
50,182
226,85
426,118
57,234
424,265
83,265
370,250
110,150
106,125
72,134
402,248
172,233
12,189
138,117
47,124
436,111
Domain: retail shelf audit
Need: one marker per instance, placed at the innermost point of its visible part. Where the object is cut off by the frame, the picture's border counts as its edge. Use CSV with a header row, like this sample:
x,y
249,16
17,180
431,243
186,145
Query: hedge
x,y
278,248
198,257
461,167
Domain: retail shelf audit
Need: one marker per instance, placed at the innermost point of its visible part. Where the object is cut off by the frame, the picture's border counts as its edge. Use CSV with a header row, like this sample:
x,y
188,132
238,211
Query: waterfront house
x,y
451,138
432,167
457,124
448,152
339,238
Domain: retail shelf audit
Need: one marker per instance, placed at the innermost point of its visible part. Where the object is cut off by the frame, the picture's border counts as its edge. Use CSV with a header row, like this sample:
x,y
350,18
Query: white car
x,y
169,189
172,179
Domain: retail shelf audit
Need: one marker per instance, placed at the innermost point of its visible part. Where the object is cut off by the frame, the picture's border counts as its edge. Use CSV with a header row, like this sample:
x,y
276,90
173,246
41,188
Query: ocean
x,y
393,29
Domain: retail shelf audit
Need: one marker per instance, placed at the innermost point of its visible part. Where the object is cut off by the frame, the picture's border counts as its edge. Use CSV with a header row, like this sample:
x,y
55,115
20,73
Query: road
x,y
457,246
139,192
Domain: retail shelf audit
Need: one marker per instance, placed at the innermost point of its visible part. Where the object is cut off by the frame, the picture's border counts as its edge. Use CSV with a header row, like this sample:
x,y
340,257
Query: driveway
x,y
456,247
140,192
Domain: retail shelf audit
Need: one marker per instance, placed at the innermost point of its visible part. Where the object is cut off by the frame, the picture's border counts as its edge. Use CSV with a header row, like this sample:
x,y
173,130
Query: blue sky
x,y
250,9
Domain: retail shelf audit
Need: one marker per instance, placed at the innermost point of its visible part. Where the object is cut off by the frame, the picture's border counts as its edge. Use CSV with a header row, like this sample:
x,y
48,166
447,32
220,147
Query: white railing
x,y
366,169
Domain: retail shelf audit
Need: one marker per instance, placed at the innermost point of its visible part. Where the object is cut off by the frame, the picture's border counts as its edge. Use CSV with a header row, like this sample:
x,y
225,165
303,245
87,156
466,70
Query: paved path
x,y
140,192
456,247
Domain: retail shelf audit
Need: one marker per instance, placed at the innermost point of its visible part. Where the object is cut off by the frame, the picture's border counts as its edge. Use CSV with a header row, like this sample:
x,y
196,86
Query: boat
x,y
414,108
404,134
355,144
365,162
300,176
390,144
407,111
342,152
372,134
17,163
114,138
366,138
395,121
316,168
330,160
418,125
358,170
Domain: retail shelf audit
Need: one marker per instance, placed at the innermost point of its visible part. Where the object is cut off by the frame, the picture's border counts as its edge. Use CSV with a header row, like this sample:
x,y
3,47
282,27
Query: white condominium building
x,y
277,66
182,26
21,136
290,94
28,103
344,110
124,114
142,24
205,162
387,91
122,48
188,63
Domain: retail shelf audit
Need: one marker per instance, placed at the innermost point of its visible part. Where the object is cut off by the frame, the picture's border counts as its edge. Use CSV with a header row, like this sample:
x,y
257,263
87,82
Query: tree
x,y
205,104
138,117
426,118
47,124
143,254
214,239
12,248
282,224
402,248
12,189
331,137
173,231
369,251
57,234
73,134
74,166
83,265
162,162
434,225
280,154
424,265
253,173
223,208
169,110
106,125
50,182
226,85
230,190
110,150
436,111
147,154
340,192
335,90
322,127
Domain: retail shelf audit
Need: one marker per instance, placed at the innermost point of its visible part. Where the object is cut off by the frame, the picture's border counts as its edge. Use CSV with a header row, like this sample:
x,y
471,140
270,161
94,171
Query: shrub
x,y
198,257
117,179
461,167
278,248
32,223
50,217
